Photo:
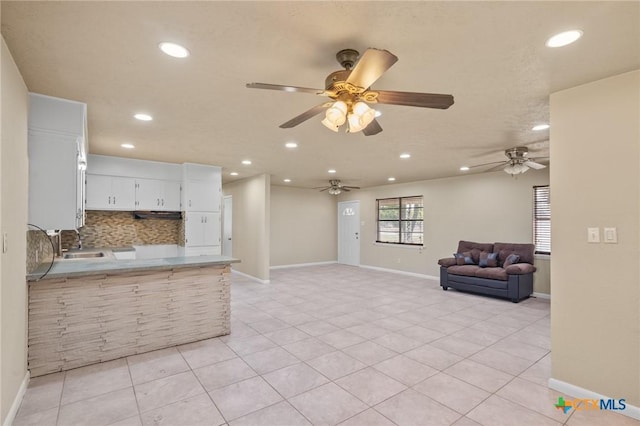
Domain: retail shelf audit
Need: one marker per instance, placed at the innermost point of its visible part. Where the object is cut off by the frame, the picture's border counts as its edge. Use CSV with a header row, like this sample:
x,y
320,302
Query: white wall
x,y
595,319
487,207
303,226
13,223
250,222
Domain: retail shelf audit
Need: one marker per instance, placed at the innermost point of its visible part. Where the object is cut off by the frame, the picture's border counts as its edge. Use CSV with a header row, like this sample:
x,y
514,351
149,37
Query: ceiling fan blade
x,y
371,65
324,189
534,165
305,115
498,167
284,88
488,164
348,188
424,100
372,129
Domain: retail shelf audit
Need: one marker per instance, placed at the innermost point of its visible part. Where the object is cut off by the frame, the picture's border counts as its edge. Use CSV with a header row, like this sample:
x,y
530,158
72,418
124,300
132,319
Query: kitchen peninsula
x,y
85,311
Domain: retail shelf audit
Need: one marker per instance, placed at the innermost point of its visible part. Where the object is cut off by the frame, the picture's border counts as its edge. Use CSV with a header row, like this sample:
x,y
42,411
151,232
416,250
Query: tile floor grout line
x,y
133,387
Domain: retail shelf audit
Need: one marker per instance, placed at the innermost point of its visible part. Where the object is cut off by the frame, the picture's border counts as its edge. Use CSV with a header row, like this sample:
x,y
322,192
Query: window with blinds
x,y
400,220
542,219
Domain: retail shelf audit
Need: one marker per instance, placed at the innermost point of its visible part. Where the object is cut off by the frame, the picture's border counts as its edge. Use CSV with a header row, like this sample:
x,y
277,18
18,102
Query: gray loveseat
x,y
498,269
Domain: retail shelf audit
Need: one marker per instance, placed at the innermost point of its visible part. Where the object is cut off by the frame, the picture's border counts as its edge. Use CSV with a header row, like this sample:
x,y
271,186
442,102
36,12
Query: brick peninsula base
x,y
81,320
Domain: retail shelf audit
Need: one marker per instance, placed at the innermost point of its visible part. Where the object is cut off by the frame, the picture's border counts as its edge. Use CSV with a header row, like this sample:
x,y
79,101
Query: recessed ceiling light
x,y
405,155
391,179
127,145
246,162
464,168
291,145
143,117
564,38
173,49
540,127
331,171
234,173
287,180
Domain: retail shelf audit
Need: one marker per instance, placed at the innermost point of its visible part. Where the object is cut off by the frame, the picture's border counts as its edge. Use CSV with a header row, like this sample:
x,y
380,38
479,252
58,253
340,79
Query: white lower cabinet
x,y
202,233
110,193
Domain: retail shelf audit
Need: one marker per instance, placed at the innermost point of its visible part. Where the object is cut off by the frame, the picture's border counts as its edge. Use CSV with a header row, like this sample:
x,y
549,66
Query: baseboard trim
x,y
541,295
582,393
13,411
251,277
301,265
398,271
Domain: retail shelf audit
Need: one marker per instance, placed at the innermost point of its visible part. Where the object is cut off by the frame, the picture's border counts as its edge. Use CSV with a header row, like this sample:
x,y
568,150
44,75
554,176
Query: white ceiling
x,y
490,55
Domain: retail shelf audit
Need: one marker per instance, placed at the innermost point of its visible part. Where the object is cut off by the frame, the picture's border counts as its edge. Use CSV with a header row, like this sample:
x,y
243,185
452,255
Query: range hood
x,y
157,215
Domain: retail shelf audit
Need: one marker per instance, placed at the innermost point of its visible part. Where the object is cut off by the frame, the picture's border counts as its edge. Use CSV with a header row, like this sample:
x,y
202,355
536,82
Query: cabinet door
x,y
110,193
149,193
53,180
123,192
171,198
211,229
193,225
98,196
201,196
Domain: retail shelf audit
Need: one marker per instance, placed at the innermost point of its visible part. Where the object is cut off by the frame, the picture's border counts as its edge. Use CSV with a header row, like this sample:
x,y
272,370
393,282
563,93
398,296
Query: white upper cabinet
x,y
202,189
110,193
159,195
57,162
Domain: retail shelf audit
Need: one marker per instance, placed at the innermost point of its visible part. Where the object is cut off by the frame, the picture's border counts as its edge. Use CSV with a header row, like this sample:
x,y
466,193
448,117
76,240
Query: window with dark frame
x,y
400,220
542,219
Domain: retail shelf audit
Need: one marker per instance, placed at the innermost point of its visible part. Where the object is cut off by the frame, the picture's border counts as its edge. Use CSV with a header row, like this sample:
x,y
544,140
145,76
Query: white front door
x,y
227,214
349,233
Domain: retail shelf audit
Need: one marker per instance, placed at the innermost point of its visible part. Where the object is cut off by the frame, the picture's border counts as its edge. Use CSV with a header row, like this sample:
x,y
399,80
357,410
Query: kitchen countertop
x,y
63,268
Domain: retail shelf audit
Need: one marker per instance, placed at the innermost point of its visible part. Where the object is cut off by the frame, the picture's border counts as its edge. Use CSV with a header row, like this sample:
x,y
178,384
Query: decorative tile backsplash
x,y
39,249
118,229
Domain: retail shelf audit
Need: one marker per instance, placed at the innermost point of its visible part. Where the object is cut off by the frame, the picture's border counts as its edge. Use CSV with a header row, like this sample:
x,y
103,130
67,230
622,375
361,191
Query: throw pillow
x,y
468,258
459,258
511,259
488,260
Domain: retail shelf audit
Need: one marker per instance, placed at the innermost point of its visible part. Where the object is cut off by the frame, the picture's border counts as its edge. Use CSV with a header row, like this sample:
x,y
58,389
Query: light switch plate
x,y
593,235
610,236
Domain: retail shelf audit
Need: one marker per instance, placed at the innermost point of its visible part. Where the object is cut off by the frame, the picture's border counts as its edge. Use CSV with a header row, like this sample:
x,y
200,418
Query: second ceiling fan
x,y
350,93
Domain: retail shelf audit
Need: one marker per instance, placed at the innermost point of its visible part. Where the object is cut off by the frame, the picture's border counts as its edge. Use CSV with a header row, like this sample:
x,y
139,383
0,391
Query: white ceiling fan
x,y
518,161
336,187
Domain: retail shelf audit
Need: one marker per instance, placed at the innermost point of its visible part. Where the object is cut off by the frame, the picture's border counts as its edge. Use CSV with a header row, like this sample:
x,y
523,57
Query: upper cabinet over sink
x,y
57,162
126,184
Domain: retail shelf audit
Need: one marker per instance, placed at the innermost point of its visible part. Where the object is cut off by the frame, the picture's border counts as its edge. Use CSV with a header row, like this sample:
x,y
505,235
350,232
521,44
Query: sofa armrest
x,y
520,269
447,261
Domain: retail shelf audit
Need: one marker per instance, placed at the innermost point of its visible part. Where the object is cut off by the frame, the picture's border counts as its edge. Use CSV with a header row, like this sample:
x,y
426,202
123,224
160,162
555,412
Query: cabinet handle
x,y
109,200
205,219
163,201
158,202
114,199
189,203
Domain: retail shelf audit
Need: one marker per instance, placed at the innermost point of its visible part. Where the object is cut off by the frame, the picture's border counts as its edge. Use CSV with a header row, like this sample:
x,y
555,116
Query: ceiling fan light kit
x,y
350,93
517,162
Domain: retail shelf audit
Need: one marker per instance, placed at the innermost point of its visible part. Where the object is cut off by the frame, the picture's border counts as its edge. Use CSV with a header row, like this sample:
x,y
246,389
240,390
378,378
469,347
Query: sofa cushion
x,y
447,261
492,273
488,259
468,270
520,269
525,251
510,260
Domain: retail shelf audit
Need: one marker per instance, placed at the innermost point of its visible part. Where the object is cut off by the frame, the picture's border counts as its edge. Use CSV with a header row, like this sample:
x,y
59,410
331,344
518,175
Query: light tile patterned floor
x,y
330,345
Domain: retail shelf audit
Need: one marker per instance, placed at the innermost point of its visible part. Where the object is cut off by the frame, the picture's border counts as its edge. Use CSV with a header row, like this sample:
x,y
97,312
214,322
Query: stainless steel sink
x,y
89,255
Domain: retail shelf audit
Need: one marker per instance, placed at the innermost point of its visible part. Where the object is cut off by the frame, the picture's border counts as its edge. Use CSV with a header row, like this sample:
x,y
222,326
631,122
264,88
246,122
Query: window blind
x,y
542,219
